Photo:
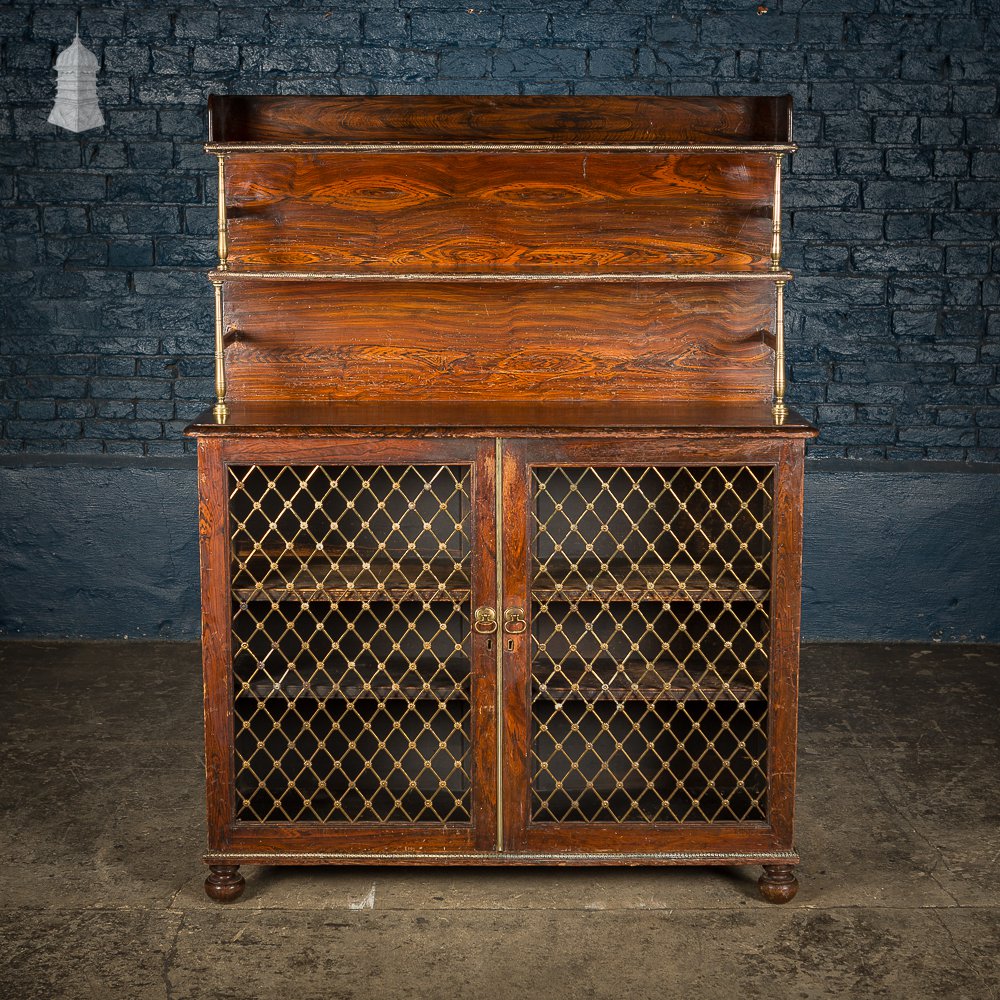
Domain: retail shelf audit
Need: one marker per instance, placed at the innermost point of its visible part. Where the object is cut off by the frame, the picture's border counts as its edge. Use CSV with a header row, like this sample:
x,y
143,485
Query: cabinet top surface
x,y
550,120
565,418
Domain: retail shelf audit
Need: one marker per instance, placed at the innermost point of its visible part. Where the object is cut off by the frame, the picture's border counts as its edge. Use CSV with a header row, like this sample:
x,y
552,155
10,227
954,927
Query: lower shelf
x,y
401,678
396,678
609,680
665,802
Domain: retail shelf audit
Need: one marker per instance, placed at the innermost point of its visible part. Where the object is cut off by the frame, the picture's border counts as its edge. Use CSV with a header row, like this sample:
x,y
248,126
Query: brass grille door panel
x,y
645,677
357,698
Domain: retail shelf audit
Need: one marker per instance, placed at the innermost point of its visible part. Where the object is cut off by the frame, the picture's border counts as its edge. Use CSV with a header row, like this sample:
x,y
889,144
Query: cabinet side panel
x,y
786,599
437,340
214,540
464,212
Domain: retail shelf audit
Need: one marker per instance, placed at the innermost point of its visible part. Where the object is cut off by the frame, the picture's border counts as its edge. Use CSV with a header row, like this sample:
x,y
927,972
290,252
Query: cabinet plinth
x,y
500,501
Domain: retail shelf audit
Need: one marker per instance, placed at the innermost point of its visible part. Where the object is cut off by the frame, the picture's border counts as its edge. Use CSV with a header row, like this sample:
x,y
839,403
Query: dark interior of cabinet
x,y
650,627
351,670
649,623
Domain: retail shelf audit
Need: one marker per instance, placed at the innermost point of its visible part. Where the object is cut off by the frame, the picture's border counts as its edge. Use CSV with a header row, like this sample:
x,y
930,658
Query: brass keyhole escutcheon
x,y
486,621
513,621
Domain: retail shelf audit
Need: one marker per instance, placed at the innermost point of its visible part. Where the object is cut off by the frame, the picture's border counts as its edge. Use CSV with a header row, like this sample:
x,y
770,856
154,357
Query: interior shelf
x,y
395,678
604,679
304,575
654,580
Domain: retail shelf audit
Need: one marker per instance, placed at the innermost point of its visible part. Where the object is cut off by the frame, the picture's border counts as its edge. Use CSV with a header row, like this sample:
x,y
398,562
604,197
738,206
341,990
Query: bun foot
x,y
224,883
778,884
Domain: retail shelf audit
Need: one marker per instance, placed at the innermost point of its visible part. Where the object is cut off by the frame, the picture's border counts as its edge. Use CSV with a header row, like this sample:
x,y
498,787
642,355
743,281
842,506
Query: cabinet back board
x,y
483,119
508,213
440,340
508,248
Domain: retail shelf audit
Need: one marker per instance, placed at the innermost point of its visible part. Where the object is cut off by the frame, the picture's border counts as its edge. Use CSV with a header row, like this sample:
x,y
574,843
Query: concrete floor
x,y
102,827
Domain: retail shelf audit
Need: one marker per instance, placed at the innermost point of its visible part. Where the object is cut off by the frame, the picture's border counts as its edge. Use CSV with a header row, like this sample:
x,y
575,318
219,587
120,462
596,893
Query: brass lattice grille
x,y
351,593
650,627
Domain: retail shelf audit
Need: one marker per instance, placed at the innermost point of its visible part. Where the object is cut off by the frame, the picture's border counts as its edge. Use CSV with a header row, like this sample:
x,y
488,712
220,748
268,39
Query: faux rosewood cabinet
x,y
500,500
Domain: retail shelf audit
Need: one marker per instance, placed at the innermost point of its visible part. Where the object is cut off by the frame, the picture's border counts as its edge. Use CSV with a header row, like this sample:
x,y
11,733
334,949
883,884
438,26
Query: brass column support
x,y
779,409
219,411
223,241
776,217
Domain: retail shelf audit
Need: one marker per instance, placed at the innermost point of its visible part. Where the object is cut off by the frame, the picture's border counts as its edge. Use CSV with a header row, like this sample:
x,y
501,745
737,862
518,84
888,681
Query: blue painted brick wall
x,y
891,203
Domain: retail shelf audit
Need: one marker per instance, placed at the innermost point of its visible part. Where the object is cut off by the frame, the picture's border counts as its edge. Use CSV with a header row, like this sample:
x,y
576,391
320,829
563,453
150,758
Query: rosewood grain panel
x,y
344,451
409,212
449,119
693,341
681,450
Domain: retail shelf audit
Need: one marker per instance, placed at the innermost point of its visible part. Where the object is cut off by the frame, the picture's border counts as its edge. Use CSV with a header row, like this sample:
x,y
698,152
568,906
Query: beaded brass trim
x,y
493,276
663,857
496,147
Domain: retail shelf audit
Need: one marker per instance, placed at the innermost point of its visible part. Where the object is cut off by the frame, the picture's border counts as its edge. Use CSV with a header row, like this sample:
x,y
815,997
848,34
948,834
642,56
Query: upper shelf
x,y
479,418
506,122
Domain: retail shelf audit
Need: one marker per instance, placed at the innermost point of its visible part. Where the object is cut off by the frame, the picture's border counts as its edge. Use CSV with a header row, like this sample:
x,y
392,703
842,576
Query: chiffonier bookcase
x,y
500,500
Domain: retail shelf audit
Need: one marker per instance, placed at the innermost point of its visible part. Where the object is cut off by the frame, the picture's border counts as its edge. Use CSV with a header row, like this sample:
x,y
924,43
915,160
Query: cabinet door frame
x,y
226,833
601,838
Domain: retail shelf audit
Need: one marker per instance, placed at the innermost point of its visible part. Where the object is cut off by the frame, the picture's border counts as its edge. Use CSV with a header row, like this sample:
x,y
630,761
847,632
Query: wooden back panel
x,y
524,340
486,211
627,243
485,119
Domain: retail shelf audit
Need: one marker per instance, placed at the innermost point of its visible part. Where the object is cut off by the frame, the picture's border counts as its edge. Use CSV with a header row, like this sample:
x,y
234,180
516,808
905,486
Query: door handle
x,y
513,621
486,621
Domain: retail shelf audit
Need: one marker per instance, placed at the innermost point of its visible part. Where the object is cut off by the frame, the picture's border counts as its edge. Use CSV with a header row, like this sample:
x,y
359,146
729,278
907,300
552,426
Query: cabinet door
x,y
651,608
350,702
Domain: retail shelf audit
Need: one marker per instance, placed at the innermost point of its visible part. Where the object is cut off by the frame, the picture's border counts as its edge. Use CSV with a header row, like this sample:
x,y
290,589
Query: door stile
x,y
516,555
486,651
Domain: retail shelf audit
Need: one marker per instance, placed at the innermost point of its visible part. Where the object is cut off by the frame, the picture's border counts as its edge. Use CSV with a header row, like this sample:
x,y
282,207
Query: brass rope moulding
x,y
506,857
493,276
